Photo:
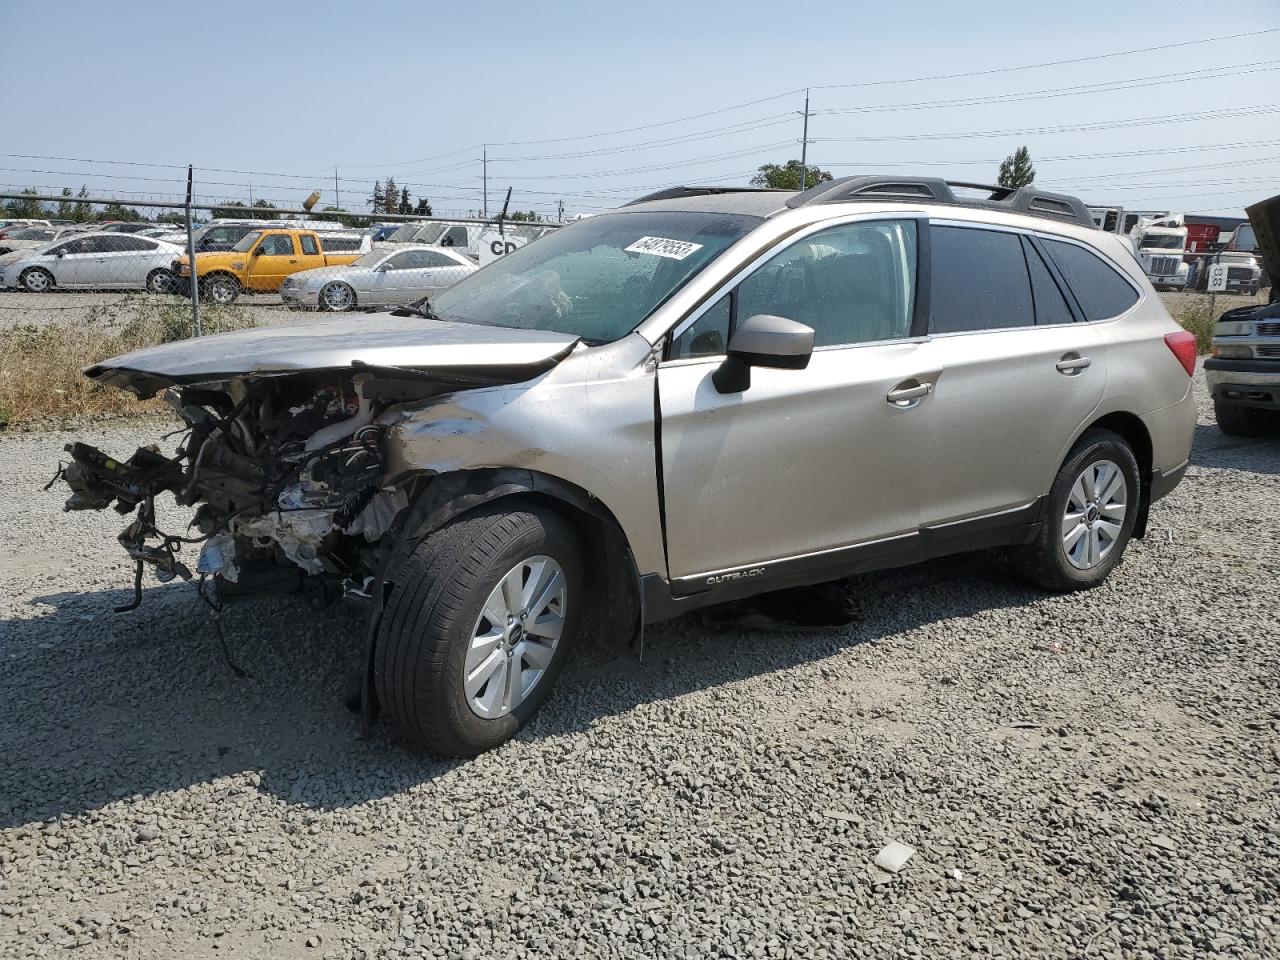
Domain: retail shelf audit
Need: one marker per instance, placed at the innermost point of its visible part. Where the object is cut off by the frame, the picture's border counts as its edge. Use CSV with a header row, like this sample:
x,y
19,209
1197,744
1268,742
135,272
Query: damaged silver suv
x,y
703,395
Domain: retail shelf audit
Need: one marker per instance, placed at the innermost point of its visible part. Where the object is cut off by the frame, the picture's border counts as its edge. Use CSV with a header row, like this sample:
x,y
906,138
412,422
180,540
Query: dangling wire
x,y
215,605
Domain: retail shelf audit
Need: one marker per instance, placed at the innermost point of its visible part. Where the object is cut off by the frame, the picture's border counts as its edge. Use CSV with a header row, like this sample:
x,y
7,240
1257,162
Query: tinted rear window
x,y
1098,288
979,281
1051,307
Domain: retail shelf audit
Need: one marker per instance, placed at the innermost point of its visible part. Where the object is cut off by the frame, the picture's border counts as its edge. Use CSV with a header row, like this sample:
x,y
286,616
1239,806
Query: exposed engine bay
x,y
287,471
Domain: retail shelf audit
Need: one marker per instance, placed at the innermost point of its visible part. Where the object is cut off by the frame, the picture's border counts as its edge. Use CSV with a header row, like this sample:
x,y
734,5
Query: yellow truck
x,y
262,259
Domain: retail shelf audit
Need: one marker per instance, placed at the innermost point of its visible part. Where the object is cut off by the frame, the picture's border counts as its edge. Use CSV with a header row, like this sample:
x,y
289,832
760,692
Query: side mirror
x,y
381,268
763,340
257,251
60,254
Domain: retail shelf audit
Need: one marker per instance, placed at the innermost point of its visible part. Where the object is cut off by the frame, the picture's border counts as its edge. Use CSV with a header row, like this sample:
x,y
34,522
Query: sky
x,y
595,103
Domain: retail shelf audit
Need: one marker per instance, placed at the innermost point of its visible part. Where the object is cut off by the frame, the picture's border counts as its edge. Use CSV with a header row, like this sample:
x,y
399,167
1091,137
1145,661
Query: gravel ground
x,y
1087,776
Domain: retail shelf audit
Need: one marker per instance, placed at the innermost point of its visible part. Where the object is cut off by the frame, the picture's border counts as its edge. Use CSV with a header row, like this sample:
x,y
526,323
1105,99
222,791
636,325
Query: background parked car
x,y
8,225
99,261
384,276
28,238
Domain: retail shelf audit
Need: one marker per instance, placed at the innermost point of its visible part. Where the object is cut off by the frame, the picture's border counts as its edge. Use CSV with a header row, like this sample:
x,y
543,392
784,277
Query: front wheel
x,y
336,297
36,280
221,289
1089,517
478,626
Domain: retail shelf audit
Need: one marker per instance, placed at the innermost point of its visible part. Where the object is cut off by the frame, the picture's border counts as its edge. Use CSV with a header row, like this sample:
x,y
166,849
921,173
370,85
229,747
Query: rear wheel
x,y
1238,421
161,281
478,626
1092,507
337,297
221,289
36,280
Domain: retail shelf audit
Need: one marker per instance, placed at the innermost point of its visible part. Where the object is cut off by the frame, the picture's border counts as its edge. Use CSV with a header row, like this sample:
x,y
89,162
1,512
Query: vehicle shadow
x,y
1213,448
98,707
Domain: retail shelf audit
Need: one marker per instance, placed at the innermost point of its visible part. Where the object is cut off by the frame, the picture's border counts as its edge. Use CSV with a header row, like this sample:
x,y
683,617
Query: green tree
x,y
530,217
406,202
379,199
235,209
116,211
81,211
1016,170
391,199
788,176
423,209
264,210
344,217
28,208
65,207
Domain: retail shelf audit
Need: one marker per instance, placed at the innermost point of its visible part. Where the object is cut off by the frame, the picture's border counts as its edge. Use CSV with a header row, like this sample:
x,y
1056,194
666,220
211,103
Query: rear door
x,y
1021,371
803,462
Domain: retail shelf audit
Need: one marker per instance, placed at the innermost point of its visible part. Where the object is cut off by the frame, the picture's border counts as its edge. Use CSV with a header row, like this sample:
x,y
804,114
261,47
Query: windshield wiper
x,y
419,308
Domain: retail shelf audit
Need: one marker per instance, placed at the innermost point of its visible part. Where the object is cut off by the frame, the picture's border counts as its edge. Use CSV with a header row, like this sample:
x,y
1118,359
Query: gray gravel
x,y
1095,775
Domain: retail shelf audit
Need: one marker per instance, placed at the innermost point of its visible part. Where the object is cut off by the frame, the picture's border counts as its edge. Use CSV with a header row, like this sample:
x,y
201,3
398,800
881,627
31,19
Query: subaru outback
x,y
706,394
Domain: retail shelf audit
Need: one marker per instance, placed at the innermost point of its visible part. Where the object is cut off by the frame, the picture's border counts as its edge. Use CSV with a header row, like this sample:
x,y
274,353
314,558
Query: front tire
x,y
336,297
478,627
221,289
1089,516
1237,421
36,280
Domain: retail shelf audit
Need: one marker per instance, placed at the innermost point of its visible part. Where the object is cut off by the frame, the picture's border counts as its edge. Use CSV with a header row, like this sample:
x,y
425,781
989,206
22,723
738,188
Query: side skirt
x,y
664,600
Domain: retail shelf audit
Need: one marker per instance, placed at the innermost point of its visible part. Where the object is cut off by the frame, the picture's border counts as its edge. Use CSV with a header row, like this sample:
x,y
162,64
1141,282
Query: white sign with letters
x,y
1217,277
662,247
494,245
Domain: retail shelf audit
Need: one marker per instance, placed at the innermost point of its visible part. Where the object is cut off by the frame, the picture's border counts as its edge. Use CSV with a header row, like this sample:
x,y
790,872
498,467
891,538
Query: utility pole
x,y
560,212
191,262
337,197
804,144
484,176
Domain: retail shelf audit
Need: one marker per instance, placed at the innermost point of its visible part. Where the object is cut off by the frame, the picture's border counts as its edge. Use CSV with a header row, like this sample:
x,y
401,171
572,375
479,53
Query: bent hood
x,y
458,351
1265,217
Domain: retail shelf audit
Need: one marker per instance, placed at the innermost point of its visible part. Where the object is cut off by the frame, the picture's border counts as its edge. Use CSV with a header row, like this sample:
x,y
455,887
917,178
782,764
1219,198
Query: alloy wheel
x,y
1094,516
515,637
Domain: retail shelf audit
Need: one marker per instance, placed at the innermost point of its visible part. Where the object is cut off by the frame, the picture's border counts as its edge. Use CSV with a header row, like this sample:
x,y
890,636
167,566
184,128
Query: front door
x,y
274,258
802,462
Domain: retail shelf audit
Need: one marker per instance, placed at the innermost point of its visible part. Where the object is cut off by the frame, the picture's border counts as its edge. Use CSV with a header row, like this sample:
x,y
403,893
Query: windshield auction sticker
x,y
662,247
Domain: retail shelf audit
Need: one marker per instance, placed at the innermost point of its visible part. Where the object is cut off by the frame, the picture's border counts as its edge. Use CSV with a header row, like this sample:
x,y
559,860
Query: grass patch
x,y
40,365
1195,317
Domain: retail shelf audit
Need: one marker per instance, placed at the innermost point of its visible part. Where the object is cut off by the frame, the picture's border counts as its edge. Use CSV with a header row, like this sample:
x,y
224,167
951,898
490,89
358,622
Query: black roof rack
x,y
1024,200
675,193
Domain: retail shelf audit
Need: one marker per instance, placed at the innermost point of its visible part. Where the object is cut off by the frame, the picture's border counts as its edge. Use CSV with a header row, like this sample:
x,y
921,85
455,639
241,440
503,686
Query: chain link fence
x,y
257,269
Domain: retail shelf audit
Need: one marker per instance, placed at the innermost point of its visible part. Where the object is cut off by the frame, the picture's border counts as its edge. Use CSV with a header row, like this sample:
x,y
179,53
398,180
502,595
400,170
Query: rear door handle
x,y
904,396
1072,365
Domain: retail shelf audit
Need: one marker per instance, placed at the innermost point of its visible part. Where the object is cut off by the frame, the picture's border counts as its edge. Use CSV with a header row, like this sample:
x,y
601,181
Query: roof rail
x,y
675,193
1024,200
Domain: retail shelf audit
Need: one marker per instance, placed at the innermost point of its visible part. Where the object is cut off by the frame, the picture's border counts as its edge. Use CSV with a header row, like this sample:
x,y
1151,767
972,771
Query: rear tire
x,y
221,289
1089,516
1238,421
36,280
161,281
444,639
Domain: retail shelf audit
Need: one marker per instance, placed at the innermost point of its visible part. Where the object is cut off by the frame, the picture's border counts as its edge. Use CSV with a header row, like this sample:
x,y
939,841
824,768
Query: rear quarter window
x,y
1099,289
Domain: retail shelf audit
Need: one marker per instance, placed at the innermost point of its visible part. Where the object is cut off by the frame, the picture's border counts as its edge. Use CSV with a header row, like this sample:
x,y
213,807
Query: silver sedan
x,y
98,261
386,276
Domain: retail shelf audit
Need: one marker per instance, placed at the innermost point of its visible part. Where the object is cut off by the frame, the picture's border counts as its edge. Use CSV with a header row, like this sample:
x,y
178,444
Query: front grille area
x,y
1268,351
1239,273
1164,266
1269,328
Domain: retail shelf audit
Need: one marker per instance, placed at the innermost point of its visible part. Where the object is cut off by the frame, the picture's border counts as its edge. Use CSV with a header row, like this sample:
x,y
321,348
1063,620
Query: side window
x,y
979,281
339,244
1051,306
125,243
852,284
102,244
708,336
455,237
1099,289
401,261
432,258
277,245
309,245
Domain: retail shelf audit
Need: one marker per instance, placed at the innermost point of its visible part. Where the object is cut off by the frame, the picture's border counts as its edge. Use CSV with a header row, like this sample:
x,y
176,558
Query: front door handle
x,y
1072,365
906,396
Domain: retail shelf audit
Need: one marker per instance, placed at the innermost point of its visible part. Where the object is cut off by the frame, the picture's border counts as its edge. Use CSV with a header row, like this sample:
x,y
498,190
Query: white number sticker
x,y
662,247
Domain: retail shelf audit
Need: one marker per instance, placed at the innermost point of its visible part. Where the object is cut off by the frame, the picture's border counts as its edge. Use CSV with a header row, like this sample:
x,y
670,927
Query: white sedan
x,y
387,276
97,261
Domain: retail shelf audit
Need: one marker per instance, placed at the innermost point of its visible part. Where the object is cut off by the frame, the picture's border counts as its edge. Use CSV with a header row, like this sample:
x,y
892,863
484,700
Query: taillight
x,y
1183,345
